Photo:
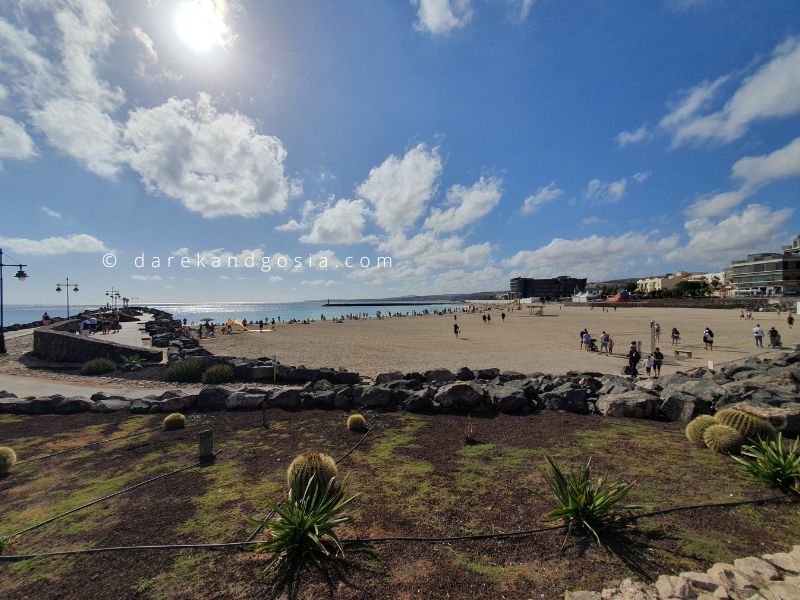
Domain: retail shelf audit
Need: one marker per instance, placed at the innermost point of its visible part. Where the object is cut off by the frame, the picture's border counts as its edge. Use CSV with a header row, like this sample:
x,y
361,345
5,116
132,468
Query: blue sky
x,y
468,140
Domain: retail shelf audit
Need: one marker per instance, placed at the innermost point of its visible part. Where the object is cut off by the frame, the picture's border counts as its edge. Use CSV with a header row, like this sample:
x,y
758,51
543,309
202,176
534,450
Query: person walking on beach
x,y
774,337
489,319
587,342
676,336
708,338
658,360
790,321
580,337
261,324
456,329
604,337
657,331
633,359
758,334
649,362
483,317
503,317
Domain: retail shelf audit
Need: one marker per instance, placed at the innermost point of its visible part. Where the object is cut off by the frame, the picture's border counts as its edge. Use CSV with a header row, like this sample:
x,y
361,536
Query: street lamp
x,y
114,295
21,275
66,286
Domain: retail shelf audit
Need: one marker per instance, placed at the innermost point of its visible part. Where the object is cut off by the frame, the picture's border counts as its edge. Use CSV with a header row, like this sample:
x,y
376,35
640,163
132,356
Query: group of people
x,y
774,336
486,318
90,325
652,363
589,344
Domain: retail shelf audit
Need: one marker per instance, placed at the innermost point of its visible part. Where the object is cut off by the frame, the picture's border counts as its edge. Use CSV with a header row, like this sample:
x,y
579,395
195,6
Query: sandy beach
x,y
523,343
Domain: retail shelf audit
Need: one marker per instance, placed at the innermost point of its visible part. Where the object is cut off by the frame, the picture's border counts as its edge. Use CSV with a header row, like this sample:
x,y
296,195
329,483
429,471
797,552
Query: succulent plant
x,y
724,439
98,366
219,374
356,422
8,458
697,427
188,370
312,464
750,426
174,421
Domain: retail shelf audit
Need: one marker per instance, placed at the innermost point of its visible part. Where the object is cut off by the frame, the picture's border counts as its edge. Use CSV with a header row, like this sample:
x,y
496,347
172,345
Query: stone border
x,y
771,577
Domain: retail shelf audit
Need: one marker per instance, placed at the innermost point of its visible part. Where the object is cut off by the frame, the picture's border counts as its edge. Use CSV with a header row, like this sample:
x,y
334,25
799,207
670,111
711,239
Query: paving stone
x,y
784,561
670,586
757,570
701,581
732,579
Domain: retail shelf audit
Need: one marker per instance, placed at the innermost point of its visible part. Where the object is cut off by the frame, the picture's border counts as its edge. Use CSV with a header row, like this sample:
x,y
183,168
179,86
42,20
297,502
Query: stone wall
x,y
59,343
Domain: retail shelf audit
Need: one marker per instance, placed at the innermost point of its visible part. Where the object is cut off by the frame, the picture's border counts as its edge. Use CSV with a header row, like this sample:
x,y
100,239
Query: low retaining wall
x,y
58,343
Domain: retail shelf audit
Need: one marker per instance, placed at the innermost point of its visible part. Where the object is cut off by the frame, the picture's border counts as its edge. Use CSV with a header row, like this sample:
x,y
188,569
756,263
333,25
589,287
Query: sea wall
x,y
59,343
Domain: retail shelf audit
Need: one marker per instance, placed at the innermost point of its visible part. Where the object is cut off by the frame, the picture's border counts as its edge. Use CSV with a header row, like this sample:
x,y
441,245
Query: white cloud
x,y
691,102
320,283
400,188
213,163
579,257
773,91
642,176
306,216
441,16
541,196
323,260
292,225
427,250
601,191
754,172
522,9
461,280
81,130
50,212
78,243
275,279
146,41
716,242
466,205
631,137
146,277
592,221
342,223
14,140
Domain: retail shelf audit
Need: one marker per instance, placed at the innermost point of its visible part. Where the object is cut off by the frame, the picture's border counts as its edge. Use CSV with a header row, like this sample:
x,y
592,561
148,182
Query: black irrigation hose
x,y
376,540
75,449
117,493
258,529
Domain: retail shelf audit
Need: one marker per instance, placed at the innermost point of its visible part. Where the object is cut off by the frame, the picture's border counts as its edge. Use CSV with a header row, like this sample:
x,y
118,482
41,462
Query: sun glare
x,y
201,24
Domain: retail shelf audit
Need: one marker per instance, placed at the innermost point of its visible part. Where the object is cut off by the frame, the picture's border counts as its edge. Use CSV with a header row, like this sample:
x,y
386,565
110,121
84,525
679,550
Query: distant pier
x,y
388,303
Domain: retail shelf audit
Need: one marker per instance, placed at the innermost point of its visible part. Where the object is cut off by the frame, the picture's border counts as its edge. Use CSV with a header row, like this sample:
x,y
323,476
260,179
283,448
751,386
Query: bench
x,y
687,353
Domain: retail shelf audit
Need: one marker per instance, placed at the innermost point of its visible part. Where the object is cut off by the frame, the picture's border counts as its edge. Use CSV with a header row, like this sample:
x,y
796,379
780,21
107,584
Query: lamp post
x,y
22,276
114,295
66,287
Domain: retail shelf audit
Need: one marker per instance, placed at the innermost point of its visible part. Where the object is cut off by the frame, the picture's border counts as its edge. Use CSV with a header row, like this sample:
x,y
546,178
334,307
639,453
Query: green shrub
x,y
750,426
773,463
98,366
219,374
8,458
131,362
696,428
174,421
722,438
308,465
583,503
304,527
188,370
356,422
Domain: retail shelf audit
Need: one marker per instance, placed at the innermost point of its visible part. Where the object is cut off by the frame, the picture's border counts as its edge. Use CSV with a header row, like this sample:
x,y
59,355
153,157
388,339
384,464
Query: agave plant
x,y
304,526
131,362
583,503
773,463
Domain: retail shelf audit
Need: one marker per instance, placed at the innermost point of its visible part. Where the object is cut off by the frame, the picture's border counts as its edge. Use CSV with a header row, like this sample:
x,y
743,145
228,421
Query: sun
x,y
201,24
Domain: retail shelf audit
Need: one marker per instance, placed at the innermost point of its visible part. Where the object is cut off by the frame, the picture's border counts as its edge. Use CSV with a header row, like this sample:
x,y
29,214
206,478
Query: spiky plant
x,y
219,374
174,421
582,503
188,370
98,366
303,528
131,362
321,467
773,463
750,426
697,427
8,458
356,422
470,432
724,439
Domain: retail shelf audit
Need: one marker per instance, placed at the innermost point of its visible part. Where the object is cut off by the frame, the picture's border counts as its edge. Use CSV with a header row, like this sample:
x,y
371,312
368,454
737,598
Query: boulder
x,y
706,389
439,376
382,378
347,377
262,373
343,399
302,374
71,406
244,401
785,418
465,374
529,387
507,399
212,397
613,384
111,405
569,397
637,404
42,406
507,376
242,367
683,407
418,401
461,397
487,374
286,398
5,394
373,396
318,398
404,384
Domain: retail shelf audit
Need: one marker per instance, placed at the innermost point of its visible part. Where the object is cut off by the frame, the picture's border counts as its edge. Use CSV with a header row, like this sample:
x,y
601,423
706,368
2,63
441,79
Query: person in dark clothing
x,y
658,360
634,356
456,329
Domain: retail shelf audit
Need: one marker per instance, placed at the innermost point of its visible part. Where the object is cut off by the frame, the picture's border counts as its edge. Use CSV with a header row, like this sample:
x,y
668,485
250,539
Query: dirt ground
x,y
414,476
522,343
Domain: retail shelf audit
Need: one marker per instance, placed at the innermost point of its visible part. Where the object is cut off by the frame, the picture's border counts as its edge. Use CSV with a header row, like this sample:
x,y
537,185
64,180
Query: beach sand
x,y
523,343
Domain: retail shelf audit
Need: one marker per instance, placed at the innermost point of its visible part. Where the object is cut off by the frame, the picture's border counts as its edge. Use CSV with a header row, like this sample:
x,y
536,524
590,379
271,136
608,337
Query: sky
x,y
273,151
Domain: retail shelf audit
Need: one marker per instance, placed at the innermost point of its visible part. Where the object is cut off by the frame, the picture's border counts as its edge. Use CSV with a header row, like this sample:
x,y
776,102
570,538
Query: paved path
x,y
32,386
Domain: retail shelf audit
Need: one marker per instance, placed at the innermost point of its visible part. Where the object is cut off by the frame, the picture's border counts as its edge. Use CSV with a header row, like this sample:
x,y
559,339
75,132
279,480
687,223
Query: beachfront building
x,y
657,284
768,273
557,287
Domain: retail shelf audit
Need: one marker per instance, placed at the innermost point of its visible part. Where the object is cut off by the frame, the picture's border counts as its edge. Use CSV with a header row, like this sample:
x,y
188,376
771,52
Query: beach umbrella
x,y
206,319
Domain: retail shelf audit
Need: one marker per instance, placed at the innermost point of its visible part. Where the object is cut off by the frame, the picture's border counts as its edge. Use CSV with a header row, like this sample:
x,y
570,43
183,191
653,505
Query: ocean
x,y
222,311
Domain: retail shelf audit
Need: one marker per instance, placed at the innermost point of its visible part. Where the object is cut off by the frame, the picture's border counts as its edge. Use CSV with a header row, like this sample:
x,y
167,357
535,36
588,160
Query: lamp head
x,y
21,275
58,288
